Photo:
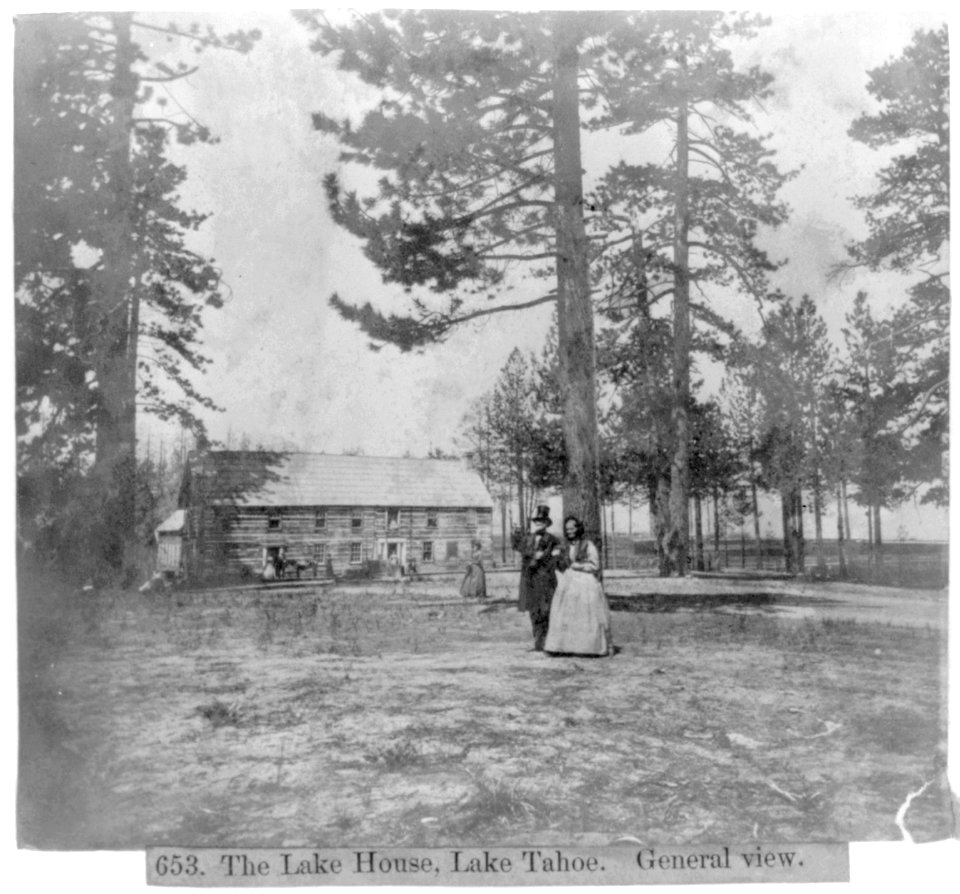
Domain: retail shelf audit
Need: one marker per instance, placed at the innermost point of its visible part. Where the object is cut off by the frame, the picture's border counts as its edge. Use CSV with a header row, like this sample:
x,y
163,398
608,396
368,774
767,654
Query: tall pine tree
x,y
478,138
908,217
791,369
687,226
109,296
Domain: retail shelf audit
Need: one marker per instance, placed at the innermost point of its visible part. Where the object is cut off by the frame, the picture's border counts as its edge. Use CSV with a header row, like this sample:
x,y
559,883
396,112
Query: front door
x,y
393,551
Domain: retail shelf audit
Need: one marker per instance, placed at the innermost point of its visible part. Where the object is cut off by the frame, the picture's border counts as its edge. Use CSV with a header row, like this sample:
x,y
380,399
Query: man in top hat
x,y
539,554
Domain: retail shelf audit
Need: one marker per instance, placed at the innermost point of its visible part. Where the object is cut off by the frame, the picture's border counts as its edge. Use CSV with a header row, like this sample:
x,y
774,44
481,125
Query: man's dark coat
x,y
538,577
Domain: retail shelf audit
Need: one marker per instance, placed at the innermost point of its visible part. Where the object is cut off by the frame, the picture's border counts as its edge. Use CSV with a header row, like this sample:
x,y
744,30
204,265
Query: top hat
x,y
542,514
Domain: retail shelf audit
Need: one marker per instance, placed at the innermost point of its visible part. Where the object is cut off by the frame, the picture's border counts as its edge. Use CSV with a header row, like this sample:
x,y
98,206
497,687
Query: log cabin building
x,y
325,513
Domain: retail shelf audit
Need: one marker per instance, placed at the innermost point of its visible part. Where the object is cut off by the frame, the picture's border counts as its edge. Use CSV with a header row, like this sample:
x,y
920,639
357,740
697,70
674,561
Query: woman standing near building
x,y
474,583
579,616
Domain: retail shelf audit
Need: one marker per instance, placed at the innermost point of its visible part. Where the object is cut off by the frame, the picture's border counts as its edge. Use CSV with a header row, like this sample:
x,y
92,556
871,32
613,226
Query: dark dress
x,y
474,583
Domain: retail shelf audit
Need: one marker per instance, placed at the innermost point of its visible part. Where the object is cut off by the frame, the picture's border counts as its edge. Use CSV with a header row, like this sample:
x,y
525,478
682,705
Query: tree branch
x,y
485,312
196,38
156,79
924,400
517,257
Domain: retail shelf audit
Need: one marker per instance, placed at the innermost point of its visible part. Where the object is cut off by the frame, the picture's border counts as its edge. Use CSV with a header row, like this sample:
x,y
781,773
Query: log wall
x,y
231,541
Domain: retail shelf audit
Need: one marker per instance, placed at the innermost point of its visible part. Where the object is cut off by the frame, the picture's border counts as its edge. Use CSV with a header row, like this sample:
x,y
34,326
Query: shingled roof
x,y
272,478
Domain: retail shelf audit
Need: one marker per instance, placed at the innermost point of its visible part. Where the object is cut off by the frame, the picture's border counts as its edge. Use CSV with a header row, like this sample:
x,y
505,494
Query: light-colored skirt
x,y
579,616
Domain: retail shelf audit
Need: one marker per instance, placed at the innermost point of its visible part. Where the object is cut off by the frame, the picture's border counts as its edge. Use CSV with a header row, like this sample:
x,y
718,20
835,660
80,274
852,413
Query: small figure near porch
x,y
394,565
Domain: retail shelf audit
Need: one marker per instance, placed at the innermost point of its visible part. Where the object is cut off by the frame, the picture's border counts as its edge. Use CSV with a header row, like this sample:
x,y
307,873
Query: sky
x,y
291,374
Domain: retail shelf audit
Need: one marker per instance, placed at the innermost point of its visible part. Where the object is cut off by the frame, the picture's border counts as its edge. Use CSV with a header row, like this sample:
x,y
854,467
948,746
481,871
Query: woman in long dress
x,y
474,583
579,614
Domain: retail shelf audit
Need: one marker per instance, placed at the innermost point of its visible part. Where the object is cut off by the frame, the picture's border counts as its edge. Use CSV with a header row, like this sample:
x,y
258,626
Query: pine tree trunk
x,y
818,520
116,366
799,540
503,531
846,510
756,521
653,513
841,549
613,536
877,537
521,496
785,504
662,518
677,542
698,532
577,363
602,539
716,522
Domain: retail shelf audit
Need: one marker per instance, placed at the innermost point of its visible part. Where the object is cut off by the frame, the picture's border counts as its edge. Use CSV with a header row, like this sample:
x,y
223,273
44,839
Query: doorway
x,y
393,552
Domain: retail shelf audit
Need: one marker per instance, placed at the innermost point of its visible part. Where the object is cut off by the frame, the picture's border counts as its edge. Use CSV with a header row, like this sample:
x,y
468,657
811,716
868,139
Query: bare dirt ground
x,y
398,715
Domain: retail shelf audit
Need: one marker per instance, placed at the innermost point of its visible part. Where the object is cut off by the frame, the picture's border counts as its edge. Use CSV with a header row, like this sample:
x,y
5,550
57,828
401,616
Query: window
x,y
356,520
355,553
320,553
393,518
431,518
427,550
320,518
453,549
274,519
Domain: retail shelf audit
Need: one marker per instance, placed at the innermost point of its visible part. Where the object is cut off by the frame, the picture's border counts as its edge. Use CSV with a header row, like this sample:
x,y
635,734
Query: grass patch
x,y
496,801
395,756
221,713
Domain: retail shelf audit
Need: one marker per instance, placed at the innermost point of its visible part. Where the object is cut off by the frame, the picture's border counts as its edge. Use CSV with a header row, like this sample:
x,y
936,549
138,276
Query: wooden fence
x,y
897,563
